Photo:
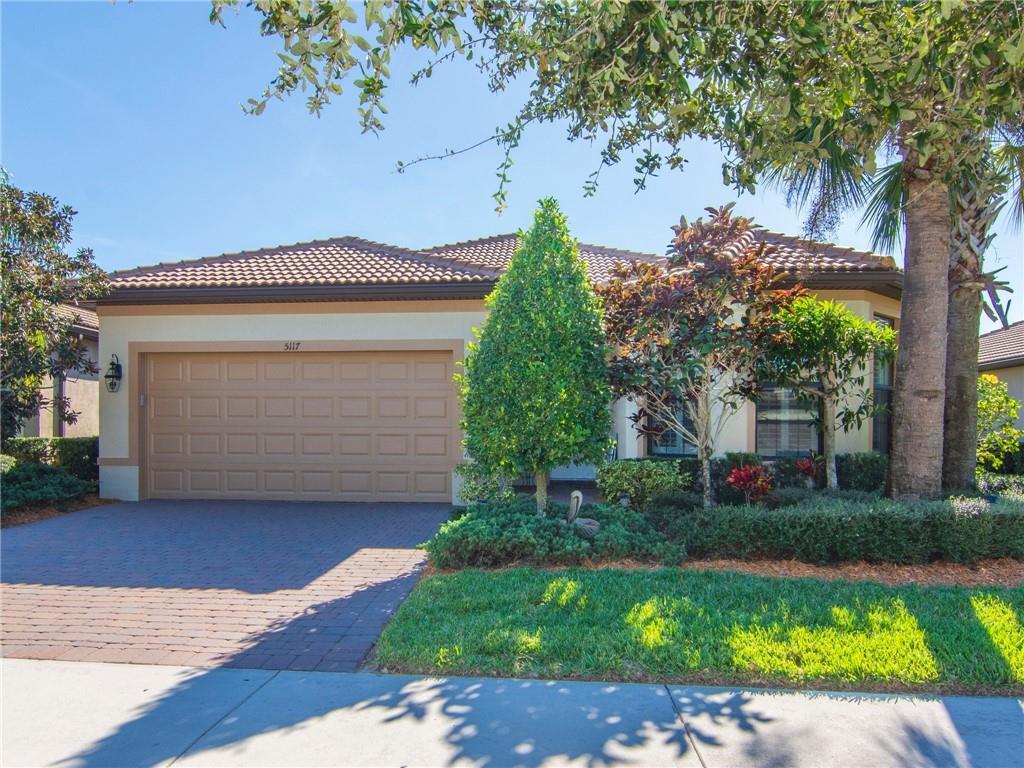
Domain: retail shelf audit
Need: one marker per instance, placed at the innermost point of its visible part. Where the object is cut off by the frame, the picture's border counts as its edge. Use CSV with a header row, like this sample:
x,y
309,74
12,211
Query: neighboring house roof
x,y
349,267
83,320
1002,348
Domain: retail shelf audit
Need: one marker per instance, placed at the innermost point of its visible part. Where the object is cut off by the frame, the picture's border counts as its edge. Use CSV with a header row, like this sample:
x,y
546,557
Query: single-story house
x,y
81,389
1001,353
323,370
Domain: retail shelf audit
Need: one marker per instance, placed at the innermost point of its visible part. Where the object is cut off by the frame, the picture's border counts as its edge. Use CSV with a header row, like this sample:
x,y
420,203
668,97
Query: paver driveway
x,y
268,585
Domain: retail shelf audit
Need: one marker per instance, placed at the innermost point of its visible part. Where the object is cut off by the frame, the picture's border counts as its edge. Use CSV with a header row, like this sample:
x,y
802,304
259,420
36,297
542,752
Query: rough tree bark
x,y
915,466
960,431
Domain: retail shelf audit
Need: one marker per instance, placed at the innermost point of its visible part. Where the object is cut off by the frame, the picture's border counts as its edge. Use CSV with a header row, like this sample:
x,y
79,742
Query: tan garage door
x,y
359,426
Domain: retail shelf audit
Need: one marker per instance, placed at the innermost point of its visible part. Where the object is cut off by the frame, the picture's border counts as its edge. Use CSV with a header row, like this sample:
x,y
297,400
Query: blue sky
x,y
131,114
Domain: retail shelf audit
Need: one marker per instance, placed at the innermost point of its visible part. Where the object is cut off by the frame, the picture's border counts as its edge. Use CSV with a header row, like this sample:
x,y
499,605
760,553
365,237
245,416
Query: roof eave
x,y
1009,362
264,294
886,283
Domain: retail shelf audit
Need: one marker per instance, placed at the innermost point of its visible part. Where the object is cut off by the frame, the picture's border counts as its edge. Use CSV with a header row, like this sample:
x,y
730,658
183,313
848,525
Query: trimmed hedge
x,y
640,480
489,535
76,455
836,528
862,471
27,484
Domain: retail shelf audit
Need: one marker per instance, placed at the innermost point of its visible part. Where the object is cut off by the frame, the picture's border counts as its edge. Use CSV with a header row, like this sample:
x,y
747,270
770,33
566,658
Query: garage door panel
x,y
354,426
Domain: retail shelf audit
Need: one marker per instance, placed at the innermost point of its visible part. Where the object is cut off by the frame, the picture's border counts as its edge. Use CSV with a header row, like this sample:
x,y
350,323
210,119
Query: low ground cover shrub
x,y
27,484
491,535
828,528
640,480
991,482
76,455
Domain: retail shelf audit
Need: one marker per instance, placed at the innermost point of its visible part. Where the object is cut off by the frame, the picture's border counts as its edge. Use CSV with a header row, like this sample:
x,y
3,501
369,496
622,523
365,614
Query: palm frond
x,y
886,210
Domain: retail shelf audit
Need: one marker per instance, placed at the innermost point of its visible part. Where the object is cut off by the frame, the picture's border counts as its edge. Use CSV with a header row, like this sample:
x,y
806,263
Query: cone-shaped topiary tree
x,y
534,389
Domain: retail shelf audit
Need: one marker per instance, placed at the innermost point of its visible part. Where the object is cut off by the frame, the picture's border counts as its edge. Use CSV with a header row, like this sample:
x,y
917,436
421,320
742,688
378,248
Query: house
x,y
81,389
1001,353
323,370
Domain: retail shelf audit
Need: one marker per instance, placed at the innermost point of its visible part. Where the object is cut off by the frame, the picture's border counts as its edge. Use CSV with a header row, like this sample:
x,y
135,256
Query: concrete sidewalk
x,y
88,714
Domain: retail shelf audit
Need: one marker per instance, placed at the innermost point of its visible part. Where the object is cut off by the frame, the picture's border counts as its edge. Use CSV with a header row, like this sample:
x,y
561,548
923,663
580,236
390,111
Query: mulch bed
x,y
1004,572
44,511
985,573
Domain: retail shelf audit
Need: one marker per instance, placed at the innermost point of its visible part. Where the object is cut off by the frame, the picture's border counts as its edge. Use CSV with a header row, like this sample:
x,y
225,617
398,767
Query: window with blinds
x,y
670,442
785,428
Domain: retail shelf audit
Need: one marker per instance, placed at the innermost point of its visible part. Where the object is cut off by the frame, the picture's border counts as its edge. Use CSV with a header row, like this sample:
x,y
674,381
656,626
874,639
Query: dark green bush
x,y
639,480
499,534
862,471
849,527
27,484
786,475
77,455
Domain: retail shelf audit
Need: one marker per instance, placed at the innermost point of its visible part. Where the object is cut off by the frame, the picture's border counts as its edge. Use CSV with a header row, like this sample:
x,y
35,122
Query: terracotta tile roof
x,y
1002,347
350,263
790,254
336,262
799,256
81,317
496,252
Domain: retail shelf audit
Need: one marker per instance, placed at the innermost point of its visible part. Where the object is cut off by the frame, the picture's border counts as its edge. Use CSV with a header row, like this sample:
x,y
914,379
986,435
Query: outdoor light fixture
x,y
113,375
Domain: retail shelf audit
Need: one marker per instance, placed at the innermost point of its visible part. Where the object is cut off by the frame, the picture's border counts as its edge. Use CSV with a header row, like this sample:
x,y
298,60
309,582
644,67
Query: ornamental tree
x,y
769,82
534,389
998,434
36,341
824,355
684,335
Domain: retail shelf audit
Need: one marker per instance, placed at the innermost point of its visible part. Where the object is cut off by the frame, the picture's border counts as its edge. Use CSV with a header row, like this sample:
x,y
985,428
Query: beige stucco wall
x,y
420,321
83,391
423,321
1014,380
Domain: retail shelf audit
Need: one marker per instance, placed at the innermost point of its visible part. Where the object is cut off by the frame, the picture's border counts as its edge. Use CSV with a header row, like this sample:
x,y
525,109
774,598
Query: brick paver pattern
x,y
267,585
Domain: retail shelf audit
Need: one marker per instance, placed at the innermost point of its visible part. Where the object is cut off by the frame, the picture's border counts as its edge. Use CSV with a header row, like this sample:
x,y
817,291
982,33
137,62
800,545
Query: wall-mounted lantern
x,y
113,374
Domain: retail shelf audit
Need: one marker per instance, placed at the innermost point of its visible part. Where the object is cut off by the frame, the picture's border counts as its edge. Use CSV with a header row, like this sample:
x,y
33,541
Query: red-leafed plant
x,y
811,466
752,481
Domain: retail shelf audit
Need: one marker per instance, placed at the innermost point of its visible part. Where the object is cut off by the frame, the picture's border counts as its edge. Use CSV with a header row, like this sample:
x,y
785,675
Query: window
x,y
881,421
670,442
784,427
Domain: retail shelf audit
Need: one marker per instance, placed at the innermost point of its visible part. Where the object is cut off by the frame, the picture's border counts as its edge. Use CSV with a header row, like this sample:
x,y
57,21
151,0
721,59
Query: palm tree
x,y
977,195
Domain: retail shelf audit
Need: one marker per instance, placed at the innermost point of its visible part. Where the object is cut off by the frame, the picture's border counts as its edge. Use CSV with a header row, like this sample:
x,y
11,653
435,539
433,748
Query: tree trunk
x,y
828,441
915,467
541,479
960,432
975,207
705,476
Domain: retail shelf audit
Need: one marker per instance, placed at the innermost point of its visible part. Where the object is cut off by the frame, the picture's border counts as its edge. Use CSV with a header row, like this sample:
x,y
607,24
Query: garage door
x,y
360,426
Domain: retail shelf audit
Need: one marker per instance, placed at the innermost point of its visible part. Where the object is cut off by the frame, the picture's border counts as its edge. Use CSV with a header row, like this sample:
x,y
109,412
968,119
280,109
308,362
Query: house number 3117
x,y
292,346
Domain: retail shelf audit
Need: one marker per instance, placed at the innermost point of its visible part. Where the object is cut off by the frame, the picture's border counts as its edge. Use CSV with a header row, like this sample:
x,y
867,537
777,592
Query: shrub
x,y
478,485
862,471
77,455
28,484
7,463
490,535
990,482
998,435
31,450
840,527
752,481
640,480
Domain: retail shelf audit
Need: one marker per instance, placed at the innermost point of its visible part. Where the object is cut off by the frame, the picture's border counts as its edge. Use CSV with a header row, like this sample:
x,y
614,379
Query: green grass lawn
x,y
701,626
